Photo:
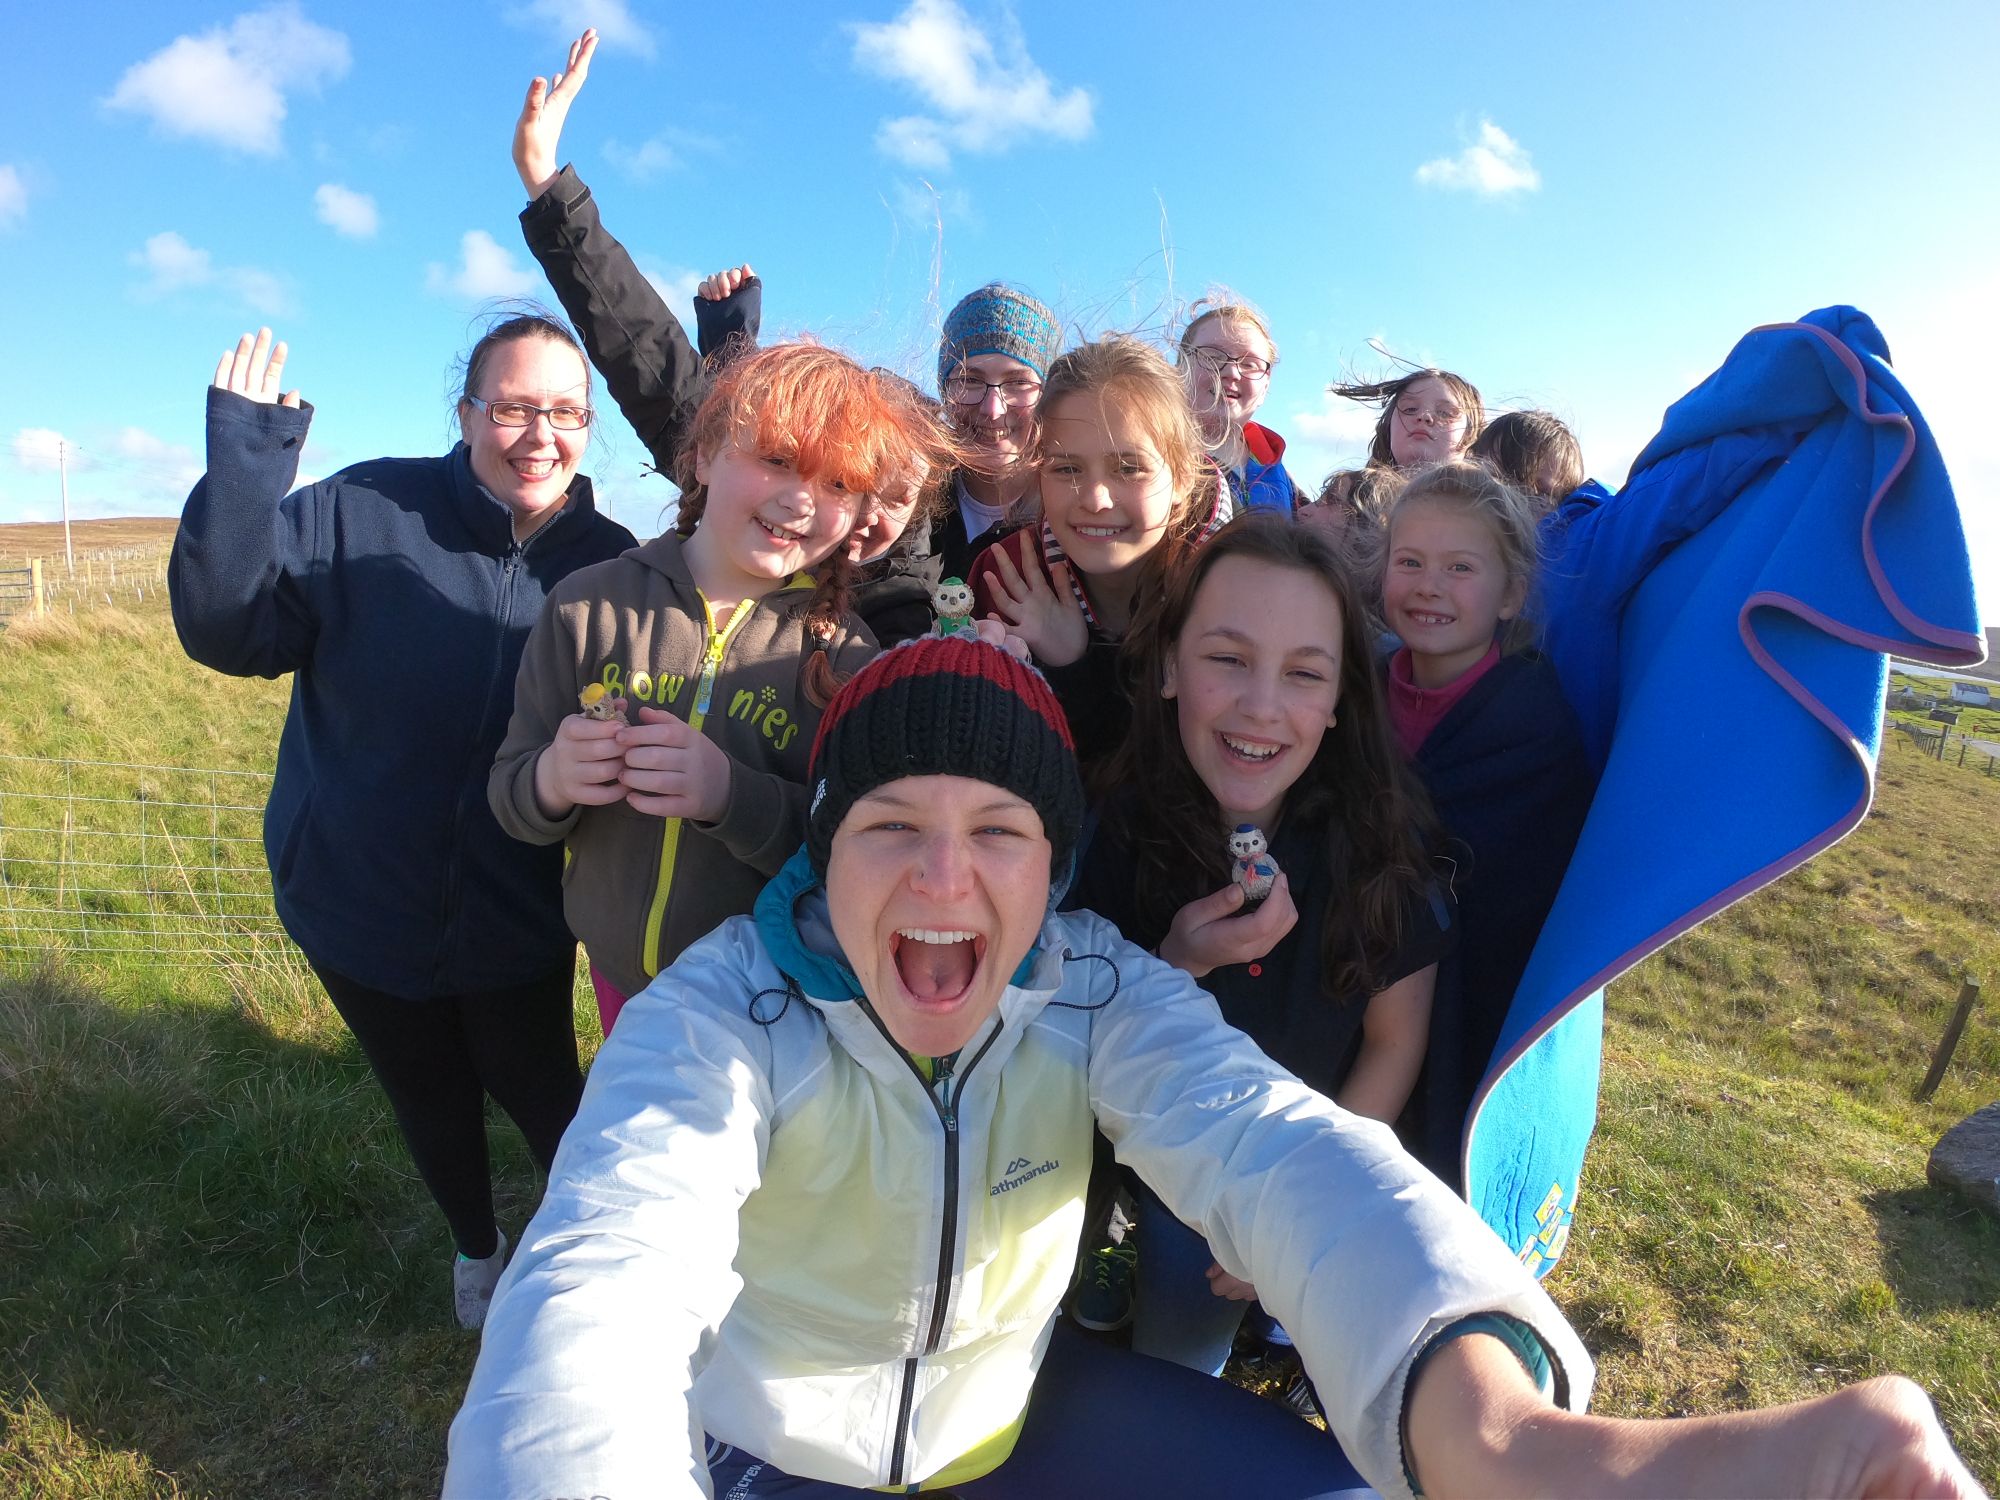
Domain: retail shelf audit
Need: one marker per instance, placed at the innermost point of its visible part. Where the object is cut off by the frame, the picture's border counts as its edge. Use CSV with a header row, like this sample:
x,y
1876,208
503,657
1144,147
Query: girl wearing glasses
x,y
994,351
1226,356
400,593
1428,416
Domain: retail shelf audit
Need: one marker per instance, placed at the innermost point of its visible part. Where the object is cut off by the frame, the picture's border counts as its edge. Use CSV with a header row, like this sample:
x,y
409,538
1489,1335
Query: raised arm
x,y
241,574
631,335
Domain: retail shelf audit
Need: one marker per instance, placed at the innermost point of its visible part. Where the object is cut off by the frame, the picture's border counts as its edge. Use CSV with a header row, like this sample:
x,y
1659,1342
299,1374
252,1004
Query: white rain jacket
x,y
766,1224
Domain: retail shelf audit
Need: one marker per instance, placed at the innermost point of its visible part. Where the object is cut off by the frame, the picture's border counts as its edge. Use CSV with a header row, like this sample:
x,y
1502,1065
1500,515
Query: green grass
x,y
219,1277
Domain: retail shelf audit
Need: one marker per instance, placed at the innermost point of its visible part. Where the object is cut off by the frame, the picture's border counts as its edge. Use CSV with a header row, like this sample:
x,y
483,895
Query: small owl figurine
x,y
1254,870
953,602
598,702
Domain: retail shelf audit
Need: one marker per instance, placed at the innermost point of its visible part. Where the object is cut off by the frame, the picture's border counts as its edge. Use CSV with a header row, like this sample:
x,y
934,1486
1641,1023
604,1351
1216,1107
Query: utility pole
x,y
62,468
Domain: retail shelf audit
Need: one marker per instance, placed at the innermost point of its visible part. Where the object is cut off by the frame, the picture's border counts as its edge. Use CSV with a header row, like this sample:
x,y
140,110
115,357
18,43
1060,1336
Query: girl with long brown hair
x,y
1258,703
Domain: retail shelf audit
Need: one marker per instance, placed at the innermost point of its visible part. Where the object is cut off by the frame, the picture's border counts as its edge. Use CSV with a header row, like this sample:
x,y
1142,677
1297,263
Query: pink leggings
x,y
609,1001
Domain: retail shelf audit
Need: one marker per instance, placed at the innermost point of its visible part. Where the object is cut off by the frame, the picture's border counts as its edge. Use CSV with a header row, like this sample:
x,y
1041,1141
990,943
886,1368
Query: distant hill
x,y
21,540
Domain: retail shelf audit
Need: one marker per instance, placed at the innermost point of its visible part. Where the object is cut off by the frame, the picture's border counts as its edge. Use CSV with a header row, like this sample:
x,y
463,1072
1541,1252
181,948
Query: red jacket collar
x,y
1265,445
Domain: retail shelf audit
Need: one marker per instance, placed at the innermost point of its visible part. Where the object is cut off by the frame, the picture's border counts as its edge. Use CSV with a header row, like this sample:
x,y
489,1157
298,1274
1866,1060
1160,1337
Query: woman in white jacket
x,y
810,1230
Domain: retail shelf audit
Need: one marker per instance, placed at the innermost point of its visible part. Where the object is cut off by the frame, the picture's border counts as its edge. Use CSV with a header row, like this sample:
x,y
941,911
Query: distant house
x,y
1972,694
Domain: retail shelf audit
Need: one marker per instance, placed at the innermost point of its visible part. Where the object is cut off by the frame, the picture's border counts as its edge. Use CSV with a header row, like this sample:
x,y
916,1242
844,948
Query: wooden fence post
x,y
1968,996
35,588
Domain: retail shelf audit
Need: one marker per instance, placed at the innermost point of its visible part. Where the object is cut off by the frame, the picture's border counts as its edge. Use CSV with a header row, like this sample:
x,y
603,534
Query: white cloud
x,y
565,20
485,269
173,265
346,212
643,162
35,449
228,85
676,284
983,94
1336,421
13,196
171,464
1492,166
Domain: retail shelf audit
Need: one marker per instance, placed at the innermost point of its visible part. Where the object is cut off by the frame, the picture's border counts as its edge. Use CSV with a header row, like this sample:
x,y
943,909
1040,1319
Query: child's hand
x,y
723,283
1234,1288
1041,609
995,634
1208,933
672,771
253,369
538,133
580,766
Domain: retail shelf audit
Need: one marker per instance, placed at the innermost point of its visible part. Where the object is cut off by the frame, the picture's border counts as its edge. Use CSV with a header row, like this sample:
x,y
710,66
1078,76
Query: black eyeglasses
x,y
1215,361
523,414
970,390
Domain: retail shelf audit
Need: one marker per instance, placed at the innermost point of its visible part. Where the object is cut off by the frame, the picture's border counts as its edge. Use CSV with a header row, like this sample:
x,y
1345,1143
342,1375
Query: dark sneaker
x,y
1298,1397
1103,1298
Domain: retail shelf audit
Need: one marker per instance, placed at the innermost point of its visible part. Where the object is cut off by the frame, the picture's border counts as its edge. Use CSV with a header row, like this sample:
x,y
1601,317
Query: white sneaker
x,y
472,1283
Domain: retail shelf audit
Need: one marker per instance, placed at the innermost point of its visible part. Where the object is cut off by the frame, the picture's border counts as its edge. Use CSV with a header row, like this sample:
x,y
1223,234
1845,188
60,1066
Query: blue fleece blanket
x,y
1721,627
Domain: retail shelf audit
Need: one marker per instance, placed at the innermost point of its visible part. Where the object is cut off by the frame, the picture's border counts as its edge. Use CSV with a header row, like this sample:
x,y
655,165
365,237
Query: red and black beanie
x,y
945,706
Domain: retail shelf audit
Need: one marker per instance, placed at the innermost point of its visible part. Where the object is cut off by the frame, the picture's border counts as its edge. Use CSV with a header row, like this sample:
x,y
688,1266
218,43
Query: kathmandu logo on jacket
x,y
1019,1170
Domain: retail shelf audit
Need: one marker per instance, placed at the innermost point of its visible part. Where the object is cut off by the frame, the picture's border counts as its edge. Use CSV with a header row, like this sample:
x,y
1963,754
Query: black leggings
x,y
437,1059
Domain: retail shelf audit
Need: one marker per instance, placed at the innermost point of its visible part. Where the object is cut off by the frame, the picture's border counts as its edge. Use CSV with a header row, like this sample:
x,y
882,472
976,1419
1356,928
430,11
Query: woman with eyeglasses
x,y
994,352
399,593
1226,357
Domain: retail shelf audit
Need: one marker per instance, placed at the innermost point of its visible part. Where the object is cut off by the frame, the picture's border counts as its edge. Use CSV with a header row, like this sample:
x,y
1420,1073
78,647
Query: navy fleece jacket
x,y
396,594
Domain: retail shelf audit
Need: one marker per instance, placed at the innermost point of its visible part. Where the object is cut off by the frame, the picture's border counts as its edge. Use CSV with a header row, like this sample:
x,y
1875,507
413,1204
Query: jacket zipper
x,y
944,1100
670,836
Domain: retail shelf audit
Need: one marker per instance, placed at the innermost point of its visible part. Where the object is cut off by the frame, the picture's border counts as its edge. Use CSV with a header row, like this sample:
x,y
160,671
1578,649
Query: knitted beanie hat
x,y
997,319
945,706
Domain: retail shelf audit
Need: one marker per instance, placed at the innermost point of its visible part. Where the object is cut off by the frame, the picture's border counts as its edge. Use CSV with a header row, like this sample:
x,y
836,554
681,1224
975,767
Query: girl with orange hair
x,y
705,657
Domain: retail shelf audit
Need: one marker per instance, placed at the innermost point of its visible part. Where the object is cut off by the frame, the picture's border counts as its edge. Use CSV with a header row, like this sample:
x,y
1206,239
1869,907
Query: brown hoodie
x,y
640,888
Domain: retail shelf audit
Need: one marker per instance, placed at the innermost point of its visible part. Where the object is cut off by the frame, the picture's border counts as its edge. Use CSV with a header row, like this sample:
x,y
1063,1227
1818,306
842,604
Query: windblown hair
x,y
1136,379
1386,393
1241,316
1360,501
866,430
1375,814
1518,445
1513,519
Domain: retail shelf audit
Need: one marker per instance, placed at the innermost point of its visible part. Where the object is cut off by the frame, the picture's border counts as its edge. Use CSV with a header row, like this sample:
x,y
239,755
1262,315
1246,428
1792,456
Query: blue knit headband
x,y
997,319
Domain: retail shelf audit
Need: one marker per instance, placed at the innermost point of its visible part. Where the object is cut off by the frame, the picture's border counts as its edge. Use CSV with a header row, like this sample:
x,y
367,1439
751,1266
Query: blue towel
x,y
1791,523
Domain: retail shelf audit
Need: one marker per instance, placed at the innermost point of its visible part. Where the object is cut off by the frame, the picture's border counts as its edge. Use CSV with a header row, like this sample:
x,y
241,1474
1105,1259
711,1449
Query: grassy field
x,y
219,1277
117,564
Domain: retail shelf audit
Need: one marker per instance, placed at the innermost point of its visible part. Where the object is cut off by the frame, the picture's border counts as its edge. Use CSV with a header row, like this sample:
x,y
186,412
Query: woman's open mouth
x,y
936,965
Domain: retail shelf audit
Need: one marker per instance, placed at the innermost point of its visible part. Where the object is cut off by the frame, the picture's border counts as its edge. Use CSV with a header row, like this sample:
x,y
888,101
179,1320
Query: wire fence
x,y
1944,745
151,866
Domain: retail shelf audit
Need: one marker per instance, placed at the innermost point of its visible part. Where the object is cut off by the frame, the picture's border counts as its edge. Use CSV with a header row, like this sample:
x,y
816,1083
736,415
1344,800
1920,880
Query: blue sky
x,y
1576,206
